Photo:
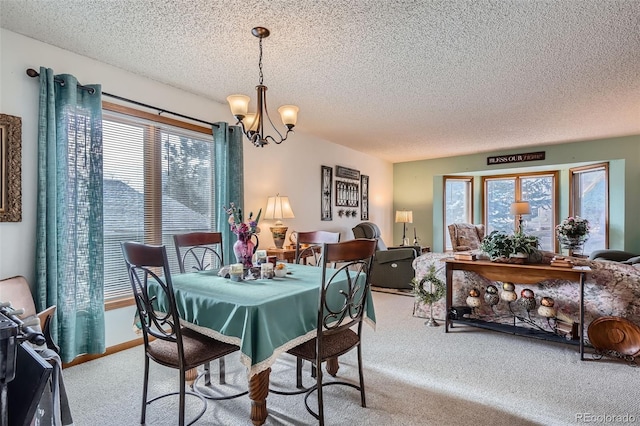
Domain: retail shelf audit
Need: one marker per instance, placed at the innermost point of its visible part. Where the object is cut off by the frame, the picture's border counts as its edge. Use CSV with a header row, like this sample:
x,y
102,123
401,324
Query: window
x,y
589,195
458,203
158,181
539,189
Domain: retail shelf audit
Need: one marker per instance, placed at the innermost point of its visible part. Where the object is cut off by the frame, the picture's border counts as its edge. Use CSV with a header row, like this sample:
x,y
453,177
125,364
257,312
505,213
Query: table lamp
x,y
518,208
404,217
278,208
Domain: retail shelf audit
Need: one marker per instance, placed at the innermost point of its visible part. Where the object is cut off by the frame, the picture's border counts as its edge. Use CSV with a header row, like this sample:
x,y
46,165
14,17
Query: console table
x,y
516,273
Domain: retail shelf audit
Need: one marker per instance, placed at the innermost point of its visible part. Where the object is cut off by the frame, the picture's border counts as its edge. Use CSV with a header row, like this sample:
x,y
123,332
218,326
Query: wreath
x,y
424,295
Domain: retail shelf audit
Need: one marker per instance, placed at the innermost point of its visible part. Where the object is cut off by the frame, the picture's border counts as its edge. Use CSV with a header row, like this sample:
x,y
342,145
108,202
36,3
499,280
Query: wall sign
x,y
515,158
347,173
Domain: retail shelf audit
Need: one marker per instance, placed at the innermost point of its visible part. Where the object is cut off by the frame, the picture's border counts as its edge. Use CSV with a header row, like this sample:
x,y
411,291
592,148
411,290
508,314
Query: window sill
x,y
119,303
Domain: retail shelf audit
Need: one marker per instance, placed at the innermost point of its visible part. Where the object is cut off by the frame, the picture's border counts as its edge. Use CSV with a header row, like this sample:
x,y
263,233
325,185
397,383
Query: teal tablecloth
x,y
263,317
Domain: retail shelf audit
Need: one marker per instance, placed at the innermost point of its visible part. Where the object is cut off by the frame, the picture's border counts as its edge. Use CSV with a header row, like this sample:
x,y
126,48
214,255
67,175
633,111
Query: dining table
x,y
264,317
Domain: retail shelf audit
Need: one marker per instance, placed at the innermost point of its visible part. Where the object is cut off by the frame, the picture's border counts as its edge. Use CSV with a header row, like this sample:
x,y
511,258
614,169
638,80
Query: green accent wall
x,y
418,185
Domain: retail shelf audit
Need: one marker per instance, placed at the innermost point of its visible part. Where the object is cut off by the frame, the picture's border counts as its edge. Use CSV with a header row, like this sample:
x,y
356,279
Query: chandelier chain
x,y
260,63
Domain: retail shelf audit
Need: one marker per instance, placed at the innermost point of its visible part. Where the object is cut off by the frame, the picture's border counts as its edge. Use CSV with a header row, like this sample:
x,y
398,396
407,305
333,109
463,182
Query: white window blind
x,y
158,181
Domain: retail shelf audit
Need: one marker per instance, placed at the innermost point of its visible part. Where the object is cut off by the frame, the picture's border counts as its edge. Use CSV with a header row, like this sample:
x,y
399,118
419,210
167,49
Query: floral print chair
x,y
466,236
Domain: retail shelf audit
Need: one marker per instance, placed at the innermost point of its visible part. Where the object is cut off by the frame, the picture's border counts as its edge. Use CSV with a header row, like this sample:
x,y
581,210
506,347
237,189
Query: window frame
x,y
573,193
150,163
469,195
555,201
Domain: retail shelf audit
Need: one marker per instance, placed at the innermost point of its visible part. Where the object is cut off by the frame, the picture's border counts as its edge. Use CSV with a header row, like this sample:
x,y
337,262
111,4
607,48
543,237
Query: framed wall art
x,y
364,197
347,194
326,180
10,168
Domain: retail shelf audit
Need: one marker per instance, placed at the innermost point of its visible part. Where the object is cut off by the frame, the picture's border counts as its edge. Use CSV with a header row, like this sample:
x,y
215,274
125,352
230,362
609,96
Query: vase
x,y
573,245
243,249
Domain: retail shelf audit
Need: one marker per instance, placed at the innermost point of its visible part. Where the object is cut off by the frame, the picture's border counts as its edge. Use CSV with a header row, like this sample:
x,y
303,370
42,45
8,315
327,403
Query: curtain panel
x,y
69,235
229,180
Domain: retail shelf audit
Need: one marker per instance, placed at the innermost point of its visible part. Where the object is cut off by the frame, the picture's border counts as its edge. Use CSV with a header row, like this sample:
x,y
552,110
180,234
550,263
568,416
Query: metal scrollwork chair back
x,y
173,346
309,244
341,309
198,251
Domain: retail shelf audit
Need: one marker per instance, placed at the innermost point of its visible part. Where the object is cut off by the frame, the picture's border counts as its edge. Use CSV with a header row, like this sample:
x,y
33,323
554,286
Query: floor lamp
x,y
404,217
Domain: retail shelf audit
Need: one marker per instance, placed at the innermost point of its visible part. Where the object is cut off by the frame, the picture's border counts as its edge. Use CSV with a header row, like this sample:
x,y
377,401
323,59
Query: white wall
x,y
292,168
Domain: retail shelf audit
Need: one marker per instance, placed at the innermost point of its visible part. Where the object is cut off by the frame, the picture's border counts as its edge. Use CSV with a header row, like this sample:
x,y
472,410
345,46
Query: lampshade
x,y
519,207
404,216
239,104
278,207
289,114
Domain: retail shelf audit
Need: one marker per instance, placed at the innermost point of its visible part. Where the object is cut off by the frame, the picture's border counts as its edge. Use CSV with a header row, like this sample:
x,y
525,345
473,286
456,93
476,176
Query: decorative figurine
x,y
491,296
473,300
546,308
508,295
528,299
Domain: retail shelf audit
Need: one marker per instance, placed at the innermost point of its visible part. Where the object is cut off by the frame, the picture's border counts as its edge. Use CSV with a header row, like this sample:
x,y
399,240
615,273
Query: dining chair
x,y
165,340
308,244
341,308
198,251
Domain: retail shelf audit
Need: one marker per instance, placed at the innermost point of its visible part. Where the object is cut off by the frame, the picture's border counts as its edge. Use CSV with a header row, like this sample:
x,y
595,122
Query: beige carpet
x,y
414,375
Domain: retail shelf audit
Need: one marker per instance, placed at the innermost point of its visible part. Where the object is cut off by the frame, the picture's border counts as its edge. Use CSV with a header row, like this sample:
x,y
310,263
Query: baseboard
x,y
110,350
400,291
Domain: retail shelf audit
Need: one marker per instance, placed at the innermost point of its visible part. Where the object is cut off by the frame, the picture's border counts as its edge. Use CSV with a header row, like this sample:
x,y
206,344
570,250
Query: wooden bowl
x,y
615,334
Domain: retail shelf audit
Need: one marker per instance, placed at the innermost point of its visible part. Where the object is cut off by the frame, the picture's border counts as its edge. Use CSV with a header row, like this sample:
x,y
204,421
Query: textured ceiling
x,y
400,80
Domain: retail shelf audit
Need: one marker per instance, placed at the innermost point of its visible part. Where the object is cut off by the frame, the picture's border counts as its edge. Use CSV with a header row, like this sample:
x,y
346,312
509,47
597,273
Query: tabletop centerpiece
x,y
572,233
244,247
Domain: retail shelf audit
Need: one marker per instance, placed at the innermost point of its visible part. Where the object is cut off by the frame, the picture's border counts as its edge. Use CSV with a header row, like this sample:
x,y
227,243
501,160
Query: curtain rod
x,y
33,73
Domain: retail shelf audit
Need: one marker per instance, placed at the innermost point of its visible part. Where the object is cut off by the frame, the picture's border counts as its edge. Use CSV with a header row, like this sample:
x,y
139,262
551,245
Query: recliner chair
x,y
392,267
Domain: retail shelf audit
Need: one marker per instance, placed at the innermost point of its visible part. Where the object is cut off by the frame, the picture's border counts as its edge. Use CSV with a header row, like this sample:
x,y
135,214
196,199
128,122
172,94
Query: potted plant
x,y
497,245
524,244
502,247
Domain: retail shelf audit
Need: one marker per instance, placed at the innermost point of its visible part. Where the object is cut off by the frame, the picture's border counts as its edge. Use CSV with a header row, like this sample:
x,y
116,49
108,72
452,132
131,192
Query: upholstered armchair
x,y
391,267
466,236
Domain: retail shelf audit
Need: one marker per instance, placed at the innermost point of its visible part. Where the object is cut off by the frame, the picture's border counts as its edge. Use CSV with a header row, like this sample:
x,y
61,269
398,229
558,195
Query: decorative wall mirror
x,y
10,168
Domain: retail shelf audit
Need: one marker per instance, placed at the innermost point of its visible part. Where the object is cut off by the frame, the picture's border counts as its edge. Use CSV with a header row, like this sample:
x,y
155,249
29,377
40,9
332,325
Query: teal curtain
x,y
69,238
229,172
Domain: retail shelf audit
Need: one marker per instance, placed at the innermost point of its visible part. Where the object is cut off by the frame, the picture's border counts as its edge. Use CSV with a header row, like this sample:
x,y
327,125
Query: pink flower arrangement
x,y
243,230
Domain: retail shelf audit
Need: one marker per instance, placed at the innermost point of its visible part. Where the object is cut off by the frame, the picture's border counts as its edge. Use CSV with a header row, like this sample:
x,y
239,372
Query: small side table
x,y
287,254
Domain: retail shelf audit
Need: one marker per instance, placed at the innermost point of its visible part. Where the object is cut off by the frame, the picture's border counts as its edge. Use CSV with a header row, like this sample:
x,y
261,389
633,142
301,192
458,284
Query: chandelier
x,y
253,123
